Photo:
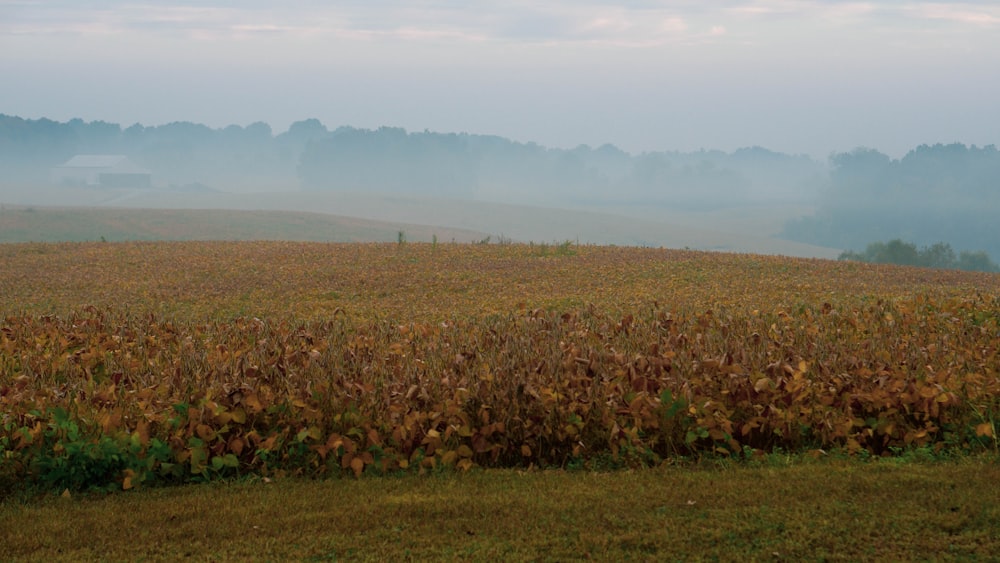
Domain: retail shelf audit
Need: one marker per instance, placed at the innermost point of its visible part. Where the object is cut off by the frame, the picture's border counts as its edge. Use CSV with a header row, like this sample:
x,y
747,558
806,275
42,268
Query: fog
x,y
719,125
311,156
491,184
751,199
796,76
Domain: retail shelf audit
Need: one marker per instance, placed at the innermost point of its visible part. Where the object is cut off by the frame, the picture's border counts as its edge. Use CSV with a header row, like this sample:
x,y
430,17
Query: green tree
x,y
938,255
976,261
899,252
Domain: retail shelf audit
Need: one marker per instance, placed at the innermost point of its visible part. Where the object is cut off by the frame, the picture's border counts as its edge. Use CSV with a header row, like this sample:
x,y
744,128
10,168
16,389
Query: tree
x,y
860,172
305,131
976,261
899,252
939,255
939,192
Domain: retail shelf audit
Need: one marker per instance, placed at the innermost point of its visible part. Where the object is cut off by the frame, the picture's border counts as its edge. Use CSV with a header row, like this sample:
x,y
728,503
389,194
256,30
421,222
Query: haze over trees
x,y
392,160
494,168
940,193
179,153
938,255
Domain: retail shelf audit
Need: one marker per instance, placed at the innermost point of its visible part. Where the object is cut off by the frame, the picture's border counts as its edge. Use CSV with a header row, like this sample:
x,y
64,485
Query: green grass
x,y
832,510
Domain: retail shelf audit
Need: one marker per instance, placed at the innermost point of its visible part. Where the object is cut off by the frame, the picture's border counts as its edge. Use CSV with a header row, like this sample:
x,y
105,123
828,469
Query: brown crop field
x,y
130,363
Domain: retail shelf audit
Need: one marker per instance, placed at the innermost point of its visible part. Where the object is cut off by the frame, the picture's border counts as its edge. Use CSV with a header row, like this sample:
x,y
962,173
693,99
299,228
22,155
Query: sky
x,y
796,76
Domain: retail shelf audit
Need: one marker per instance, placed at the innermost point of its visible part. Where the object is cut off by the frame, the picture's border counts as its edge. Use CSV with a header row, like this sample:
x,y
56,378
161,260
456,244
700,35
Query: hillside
x,y
750,229
575,332
69,224
133,365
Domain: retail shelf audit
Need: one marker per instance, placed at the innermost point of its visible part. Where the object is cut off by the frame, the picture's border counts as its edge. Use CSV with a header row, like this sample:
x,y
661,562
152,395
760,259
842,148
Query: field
x,y
289,214
81,224
128,365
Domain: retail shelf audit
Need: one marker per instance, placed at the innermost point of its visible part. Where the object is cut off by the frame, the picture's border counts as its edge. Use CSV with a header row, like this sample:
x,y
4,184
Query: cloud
x,y
643,23
971,14
885,12
561,21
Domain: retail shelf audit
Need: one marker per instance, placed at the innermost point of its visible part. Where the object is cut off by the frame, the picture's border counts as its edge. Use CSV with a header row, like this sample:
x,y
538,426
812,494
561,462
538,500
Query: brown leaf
x,y
358,465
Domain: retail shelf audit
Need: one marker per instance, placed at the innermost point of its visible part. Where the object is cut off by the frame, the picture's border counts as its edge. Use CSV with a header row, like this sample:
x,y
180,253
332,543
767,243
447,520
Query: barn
x,y
105,170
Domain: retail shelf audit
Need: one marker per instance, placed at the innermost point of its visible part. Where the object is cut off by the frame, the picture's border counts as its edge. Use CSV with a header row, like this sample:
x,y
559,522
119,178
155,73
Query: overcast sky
x,y
794,76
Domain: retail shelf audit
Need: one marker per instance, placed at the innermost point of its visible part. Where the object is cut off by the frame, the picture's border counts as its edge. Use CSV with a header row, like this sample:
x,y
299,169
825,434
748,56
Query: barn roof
x,y
119,162
95,160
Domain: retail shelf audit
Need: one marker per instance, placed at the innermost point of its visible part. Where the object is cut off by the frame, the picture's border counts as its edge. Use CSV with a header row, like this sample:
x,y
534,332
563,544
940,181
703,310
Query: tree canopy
x,y
938,255
934,193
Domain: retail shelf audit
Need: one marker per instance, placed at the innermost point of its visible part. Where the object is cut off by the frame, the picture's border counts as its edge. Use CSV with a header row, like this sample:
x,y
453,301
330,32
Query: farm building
x,y
107,170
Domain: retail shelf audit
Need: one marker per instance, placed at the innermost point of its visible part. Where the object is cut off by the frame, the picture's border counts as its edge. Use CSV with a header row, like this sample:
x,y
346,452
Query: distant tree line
x,y
491,167
938,255
392,160
176,153
934,193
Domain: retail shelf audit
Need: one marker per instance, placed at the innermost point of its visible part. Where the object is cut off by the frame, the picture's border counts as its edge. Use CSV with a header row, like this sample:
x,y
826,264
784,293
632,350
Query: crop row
x,y
104,395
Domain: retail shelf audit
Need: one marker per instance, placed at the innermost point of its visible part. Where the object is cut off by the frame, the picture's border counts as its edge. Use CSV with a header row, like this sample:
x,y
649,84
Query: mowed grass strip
x,y
830,510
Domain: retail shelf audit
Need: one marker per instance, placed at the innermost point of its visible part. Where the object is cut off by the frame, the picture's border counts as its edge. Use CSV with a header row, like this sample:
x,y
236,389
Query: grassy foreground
x,y
829,510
